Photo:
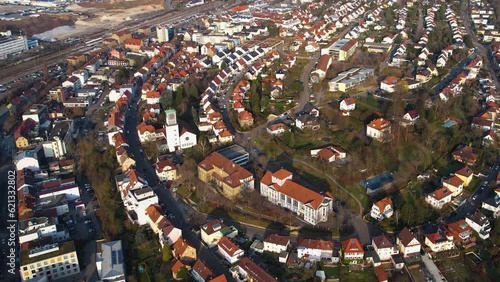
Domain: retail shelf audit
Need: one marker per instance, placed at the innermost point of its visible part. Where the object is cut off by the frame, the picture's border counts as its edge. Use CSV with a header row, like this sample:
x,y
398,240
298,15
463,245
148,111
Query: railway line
x,y
165,17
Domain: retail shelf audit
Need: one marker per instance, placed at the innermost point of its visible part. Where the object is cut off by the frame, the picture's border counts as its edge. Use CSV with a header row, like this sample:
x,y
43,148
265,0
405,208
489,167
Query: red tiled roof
x,y
352,245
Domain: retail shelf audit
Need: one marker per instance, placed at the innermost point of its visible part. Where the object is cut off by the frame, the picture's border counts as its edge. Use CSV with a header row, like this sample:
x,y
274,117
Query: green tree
x,y
264,102
291,141
223,65
140,238
182,273
166,253
179,96
193,91
166,99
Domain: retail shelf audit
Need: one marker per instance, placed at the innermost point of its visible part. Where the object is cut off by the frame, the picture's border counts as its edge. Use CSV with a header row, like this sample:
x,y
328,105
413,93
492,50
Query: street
x,y
147,171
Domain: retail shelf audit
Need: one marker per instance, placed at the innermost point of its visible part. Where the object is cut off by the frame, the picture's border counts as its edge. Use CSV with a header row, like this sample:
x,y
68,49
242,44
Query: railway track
x,y
166,17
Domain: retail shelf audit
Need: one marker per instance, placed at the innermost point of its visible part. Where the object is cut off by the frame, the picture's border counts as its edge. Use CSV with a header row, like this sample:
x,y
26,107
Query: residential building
x,y
455,184
55,260
214,230
314,249
389,84
109,261
176,267
379,129
156,218
439,198
348,104
382,209
480,224
384,247
227,176
441,240
58,139
319,72
352,249
276,243
201,273
280,189
329,154
410,118
245,119
38,113
136,195
408,244
169,234
229,251
162,33
38,228
184,252
247,270
165,170
349,79
462,232
277,129
465,155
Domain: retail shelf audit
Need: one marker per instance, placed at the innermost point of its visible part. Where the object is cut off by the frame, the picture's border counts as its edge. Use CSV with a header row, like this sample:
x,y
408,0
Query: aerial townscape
x,y
250,141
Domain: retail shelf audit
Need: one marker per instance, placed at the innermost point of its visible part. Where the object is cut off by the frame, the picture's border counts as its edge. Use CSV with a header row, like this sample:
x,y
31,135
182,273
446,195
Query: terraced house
x,y
280,189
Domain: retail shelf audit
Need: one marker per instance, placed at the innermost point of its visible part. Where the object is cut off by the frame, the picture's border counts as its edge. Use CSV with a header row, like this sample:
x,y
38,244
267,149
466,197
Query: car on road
x,y
171,216
474,197
88,221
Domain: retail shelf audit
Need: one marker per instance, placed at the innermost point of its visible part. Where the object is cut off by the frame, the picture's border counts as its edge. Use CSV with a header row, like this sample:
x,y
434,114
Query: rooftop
x,y
64,248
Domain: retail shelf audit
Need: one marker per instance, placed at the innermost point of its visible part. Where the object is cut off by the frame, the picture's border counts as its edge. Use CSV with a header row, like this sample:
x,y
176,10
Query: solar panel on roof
x,y
120,257
113,257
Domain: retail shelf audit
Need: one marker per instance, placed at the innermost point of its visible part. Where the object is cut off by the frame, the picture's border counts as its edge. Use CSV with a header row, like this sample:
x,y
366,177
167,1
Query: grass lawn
x,y
239,217
455,270
416,274
358,276
331,272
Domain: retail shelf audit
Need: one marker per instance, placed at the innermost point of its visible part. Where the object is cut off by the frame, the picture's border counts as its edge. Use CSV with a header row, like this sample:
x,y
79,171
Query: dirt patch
x,y
118,4
31,26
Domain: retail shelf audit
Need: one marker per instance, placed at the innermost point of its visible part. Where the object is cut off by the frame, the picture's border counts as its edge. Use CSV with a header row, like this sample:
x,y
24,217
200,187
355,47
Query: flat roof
x,y
64,248
233,152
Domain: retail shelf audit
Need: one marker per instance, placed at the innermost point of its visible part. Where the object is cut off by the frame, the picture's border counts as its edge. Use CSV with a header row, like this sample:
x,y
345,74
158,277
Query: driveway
x,y
432,268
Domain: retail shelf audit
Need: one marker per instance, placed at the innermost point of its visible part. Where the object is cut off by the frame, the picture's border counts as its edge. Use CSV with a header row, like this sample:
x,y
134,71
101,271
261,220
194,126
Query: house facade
x,y
280,189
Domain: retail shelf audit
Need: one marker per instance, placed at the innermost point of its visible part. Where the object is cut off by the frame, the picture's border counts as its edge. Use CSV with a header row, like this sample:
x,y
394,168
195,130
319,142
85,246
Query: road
x,y
147,171
465,14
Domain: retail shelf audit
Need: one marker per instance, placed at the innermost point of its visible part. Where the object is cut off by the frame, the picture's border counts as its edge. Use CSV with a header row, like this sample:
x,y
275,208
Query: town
x,y
310,140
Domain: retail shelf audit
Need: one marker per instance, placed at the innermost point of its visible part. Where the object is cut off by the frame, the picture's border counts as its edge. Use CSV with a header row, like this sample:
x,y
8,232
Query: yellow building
x,y
52,260
121,36
229,177
465,174
22,142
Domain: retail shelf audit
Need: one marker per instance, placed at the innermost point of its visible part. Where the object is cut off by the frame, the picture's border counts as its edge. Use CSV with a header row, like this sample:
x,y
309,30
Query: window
x,y
65,257
68,266
25,268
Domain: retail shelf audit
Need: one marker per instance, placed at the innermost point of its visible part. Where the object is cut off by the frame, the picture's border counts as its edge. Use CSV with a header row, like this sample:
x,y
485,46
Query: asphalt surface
x,y
147,171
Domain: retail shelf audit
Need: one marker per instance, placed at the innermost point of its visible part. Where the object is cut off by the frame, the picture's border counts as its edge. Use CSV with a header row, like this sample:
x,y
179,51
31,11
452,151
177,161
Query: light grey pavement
x,y
433,269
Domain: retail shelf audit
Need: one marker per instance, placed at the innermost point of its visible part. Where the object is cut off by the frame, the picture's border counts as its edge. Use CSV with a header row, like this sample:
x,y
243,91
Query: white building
x,y
379,129
389,84
439,241
162,33
382,209
229,251
276,243
352,249
384,247
41,227
348,104
314,249
136,195
58,139
408,244
58,260
109,261
280,189
172,130
439,198
480,224
12,45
